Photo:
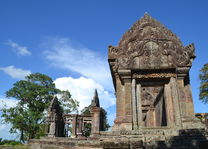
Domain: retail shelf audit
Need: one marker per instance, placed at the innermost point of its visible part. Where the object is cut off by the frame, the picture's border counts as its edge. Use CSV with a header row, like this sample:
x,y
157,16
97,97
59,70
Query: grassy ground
x,y
14,147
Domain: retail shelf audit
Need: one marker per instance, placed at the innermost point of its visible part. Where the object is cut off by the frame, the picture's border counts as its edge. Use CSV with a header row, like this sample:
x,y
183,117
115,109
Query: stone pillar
x,y
52,130
126,122
128,105
95,130
79,132
189,102
120,101
134,105
169,105
139,105
176,104
182,97
52,124
74,127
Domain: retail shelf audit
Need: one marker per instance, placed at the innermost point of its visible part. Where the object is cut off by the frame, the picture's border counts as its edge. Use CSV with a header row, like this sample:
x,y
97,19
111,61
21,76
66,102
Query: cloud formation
x,y
21,50
5,134
82,89
61,53
4,127
8,102
93,69
14,72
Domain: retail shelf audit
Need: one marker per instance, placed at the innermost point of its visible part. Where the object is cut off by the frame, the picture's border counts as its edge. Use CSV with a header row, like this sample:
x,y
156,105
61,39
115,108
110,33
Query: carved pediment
x,y
150,45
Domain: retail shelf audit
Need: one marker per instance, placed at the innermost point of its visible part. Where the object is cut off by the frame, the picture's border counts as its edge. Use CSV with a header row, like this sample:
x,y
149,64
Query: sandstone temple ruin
x,y
58,123
154,106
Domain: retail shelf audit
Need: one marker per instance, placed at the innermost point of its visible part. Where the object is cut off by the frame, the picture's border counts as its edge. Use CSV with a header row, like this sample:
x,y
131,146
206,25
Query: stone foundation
x,y
144,139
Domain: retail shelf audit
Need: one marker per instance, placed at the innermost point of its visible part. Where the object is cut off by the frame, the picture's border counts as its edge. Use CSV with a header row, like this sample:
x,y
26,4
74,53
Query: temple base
x,y
141,139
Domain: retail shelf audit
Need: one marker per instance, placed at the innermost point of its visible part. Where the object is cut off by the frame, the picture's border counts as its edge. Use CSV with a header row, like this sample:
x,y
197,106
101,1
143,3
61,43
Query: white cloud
x,y
63,54
16,73
4,127
21,50
5,134
8,102
92,67
82,89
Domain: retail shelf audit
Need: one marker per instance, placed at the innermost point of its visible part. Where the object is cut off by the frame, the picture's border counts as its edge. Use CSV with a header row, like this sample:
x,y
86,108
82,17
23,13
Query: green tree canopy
x,y
34,95
204,83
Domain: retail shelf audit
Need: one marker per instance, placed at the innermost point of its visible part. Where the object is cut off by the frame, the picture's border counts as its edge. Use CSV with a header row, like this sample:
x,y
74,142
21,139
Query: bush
x,y
9,142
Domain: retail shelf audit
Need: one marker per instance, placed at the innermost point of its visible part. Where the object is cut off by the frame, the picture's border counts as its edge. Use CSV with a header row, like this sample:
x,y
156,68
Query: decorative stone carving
x,y
154,45
154,75
152,56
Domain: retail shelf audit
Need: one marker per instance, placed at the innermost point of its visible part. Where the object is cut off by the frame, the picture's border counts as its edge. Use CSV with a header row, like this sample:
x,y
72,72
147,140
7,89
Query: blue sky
x,y
68,41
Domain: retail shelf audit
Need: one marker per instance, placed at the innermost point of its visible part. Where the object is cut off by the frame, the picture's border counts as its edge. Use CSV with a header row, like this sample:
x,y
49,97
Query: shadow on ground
x,y
187,139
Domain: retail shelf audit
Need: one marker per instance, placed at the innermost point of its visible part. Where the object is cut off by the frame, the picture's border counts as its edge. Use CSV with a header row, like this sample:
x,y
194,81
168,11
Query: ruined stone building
x,y
58,122
154,105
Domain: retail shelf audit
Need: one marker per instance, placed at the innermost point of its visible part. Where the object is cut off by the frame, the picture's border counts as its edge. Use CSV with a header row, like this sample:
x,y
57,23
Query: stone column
x,y
139,105
182,97
120,101
74,127
128,104
189,102
52,127
52,130
169,105
79,132
134,105
95,130
126,122
176,105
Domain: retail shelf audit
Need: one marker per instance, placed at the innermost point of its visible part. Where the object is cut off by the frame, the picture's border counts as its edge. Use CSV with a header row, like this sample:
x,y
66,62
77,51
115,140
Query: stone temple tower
x,y
150,71
154,106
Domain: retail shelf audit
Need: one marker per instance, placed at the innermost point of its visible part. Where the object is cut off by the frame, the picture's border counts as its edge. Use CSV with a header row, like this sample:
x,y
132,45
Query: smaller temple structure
x,y
60,124
55,120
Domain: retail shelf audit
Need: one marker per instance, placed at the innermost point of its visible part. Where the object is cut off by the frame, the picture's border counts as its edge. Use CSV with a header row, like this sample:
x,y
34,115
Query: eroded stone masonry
x,y
154,106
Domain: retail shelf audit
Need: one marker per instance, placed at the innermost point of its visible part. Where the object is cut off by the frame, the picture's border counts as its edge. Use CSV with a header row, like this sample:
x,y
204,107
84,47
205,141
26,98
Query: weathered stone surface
x,y
150,45
55,120
150,70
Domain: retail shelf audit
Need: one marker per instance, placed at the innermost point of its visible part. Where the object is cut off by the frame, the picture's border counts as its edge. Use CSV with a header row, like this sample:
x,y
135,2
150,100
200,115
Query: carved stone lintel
x,y
154,75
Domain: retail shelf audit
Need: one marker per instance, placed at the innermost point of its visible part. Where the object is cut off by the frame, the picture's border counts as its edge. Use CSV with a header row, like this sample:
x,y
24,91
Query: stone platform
x,y
149,139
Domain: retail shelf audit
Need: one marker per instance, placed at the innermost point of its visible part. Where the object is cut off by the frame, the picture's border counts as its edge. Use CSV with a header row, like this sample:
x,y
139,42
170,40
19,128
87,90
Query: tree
x,y
104,122
68,103
204,83
34,95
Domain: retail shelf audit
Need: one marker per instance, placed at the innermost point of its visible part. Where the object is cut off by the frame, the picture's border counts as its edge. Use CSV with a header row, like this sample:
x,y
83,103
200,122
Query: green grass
x,y
14,147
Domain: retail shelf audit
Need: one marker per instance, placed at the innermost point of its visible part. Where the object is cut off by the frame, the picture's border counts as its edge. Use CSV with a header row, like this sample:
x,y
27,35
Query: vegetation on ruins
x,y
9,142
104,124
34,95
204,83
